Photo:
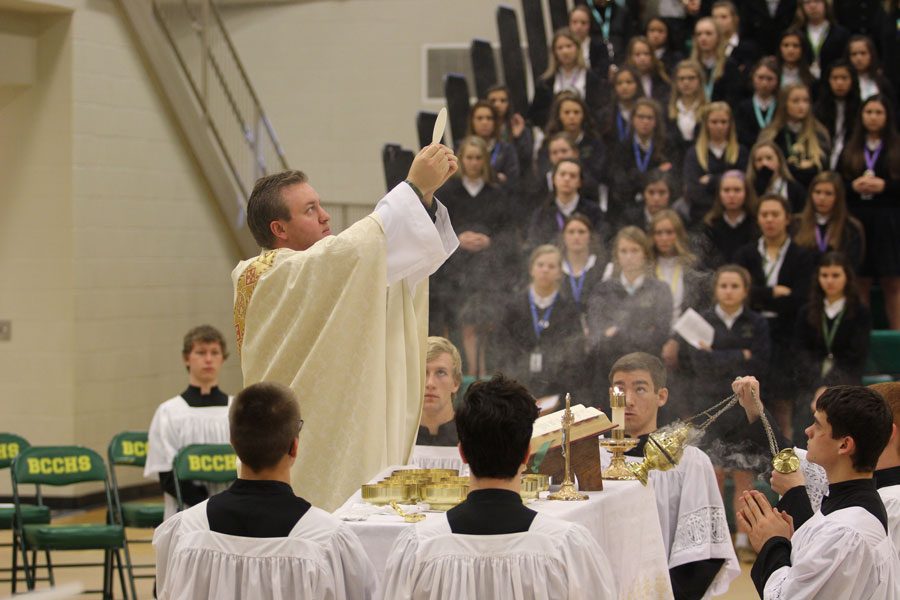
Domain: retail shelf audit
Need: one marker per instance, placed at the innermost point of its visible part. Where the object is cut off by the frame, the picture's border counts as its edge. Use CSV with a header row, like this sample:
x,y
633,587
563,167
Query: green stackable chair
x,y
10,446
210,463
60,466
884,357
129,449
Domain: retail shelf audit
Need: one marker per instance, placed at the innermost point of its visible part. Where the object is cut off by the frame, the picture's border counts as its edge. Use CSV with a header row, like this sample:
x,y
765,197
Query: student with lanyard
x,y
730,223
584,265
559,146
656,195
723,78
539,339
741,49
485,123
566,71
837,106
657,32
871,171
715,152
803,140
613,23
792,62
564,200
861,53
831,334
645,151
754,114
780,272
615,118
824,38
685,105
768,173
513,129
593,48
654,78
825,224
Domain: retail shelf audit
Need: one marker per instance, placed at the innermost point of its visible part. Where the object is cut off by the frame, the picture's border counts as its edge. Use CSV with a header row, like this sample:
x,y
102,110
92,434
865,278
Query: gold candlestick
x,y
567,491
618,444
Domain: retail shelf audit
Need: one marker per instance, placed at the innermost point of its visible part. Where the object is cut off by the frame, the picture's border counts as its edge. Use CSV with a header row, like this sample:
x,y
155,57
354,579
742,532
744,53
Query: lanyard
x,y
676,276
495,153
604,20
821,238
829,334
817,48
763,119
642,163
560,220
621,126
571,83
872,156
576,283
708,86
542,323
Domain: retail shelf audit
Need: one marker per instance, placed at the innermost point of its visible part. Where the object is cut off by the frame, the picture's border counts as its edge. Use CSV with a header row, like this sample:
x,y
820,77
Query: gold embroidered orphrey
x,y
246,284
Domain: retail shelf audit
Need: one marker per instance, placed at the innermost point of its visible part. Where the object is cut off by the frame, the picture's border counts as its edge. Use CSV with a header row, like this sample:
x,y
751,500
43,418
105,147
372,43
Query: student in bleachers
x,y
740,346
825,225
631,311
657,32
465,290
615,118
831,335
861,53
793,62
723,78
593,49
613,22
513,129
566,71
764,20
485,123
654,78
754,114
803,140
731,223
780,278
539,339
741,49
824,40
767,173
571,115
564,200
584,258
871,171
656,195
646,151
837,105
685,105
558,146
715,152
861,18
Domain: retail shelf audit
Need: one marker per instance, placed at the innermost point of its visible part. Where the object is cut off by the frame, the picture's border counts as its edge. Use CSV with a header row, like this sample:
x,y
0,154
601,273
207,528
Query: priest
x,y
342,319
844,550
491,545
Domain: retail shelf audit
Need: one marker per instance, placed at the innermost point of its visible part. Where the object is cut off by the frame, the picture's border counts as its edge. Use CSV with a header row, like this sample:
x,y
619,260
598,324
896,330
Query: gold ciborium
x,y
617,444
663,451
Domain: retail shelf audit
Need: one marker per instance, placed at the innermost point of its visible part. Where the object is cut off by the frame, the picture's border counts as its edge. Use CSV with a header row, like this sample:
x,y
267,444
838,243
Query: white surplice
x,y
343,324
692,515
554,559
321,559
890,495
175,425
845,554
438,457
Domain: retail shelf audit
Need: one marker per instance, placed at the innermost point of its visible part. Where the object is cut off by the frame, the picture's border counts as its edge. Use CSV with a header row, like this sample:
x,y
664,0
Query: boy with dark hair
x,y
691,512
213,549
843,551
491,545
199,415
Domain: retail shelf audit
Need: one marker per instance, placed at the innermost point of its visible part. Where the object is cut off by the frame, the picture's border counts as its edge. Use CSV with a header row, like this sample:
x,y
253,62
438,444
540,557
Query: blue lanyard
x,y
642,164
576,283
495,152
621,126
605,20
560,220
542,323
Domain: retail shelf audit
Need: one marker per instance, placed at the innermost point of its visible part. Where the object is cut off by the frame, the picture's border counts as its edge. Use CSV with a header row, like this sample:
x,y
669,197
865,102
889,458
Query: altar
x,y
622,518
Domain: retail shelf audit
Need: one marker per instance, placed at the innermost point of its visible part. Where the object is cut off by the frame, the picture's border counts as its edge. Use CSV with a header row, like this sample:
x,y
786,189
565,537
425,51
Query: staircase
x,y
195,64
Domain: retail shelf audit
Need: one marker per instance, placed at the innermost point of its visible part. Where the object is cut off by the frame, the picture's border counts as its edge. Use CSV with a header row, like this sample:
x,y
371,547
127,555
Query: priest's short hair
x,y
641,361
860,413
494,423
264,420
266,205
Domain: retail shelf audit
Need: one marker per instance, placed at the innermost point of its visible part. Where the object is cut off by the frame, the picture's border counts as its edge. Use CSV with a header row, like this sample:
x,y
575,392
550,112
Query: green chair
x,y
129,449
10,446
61,466
210,463
884,357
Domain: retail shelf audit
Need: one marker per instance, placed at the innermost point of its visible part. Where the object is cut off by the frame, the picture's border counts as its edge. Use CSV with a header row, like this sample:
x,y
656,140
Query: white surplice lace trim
x,y
701,527
816,482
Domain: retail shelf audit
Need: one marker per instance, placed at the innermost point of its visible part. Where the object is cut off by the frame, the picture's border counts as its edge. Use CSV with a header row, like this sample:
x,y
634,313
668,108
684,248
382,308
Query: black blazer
x,y
803,175
643,319
832,48
757,24
545,222
796,272
745,54
626,180
539,111
852,243
887,198
850,348
720,241
730,86
701,196
745,123
796,193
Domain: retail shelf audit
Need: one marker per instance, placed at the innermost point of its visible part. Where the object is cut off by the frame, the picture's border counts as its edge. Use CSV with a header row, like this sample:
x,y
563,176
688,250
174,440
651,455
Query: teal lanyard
x,y
603,20
763,119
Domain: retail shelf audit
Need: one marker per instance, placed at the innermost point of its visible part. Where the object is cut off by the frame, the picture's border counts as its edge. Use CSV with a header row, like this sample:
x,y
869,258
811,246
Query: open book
x,y
588,422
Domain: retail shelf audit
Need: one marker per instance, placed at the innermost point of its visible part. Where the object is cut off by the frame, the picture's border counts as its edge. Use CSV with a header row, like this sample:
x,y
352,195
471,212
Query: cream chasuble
x,y
343,324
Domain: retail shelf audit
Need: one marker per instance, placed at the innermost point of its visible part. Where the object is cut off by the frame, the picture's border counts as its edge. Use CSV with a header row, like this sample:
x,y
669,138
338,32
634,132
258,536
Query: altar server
x,y
312,303
702,561
199,415
844,550
491,545
257,539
